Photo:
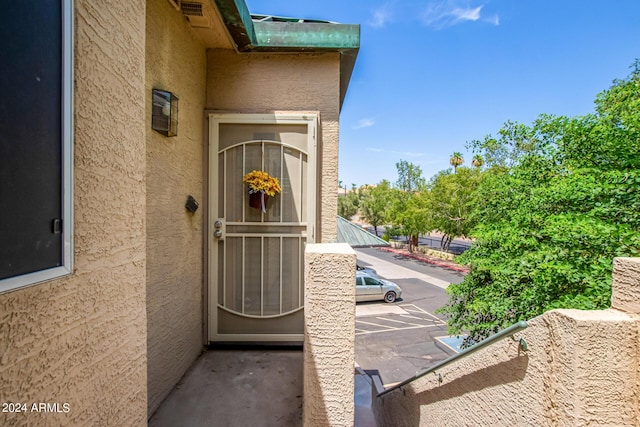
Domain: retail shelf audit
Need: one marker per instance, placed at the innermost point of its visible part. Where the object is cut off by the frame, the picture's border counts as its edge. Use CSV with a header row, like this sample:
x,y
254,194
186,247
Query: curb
x,y
419,258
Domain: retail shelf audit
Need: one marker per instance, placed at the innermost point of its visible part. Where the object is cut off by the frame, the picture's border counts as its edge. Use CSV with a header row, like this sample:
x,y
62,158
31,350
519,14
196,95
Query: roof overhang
x,y
292,36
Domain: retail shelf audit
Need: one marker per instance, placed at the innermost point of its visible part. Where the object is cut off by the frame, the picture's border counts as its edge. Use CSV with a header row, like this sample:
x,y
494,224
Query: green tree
x,y
513,142
478,161
416,217
560,201
452,200
375,201
407,208
456,160
348,205
409,213
409,177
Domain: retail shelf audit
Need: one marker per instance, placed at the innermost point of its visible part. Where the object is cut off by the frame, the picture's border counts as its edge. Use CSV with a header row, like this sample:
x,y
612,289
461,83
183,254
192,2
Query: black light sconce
x,y
192,204
164,112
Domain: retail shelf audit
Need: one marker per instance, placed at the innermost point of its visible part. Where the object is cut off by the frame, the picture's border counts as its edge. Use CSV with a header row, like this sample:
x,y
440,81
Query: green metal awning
x,y
356,236
265,33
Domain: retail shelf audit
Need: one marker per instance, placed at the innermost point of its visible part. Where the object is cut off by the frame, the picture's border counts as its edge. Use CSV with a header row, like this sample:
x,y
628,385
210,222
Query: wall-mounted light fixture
x,y
164,112
191,204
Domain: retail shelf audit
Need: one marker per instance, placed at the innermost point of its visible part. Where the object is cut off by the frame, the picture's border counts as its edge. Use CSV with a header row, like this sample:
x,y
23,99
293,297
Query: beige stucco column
x,y
626,285
329,336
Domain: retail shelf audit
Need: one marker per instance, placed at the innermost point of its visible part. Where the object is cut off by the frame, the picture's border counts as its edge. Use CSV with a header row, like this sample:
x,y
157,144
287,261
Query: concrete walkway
x,y
248,387
239,387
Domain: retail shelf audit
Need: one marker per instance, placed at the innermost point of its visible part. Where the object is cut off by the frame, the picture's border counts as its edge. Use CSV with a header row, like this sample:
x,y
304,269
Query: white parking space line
x,y
378,317
411,317
376,324
391,271
415,307
397,321
411,308
378,309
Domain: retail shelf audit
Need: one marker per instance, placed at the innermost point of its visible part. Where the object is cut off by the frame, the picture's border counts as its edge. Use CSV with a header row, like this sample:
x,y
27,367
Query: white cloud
x,y
380,16
494,20
408,153
378,19
446,13
364,123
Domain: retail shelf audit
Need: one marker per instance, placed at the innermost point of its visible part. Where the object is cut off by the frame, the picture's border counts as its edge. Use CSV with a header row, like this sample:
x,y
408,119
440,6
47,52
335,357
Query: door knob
x,y
217,233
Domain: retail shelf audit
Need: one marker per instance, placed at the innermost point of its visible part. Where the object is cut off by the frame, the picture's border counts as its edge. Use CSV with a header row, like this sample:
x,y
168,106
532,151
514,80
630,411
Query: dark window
x,y
371,282
34,134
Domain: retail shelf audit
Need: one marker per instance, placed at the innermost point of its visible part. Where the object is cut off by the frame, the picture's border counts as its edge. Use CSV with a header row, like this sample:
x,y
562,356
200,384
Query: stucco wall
x,y
175,61
259,82
329,335
581,369
82,340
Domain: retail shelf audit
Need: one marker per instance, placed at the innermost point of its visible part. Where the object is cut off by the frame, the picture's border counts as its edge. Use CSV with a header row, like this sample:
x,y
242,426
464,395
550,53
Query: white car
x,y
372,289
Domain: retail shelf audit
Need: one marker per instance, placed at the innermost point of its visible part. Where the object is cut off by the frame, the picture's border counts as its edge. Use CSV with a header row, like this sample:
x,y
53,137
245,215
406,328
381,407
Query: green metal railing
x,y
466,352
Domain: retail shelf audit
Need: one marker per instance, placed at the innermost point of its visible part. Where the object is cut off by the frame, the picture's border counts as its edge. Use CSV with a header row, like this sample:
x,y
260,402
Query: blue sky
x,y
434,74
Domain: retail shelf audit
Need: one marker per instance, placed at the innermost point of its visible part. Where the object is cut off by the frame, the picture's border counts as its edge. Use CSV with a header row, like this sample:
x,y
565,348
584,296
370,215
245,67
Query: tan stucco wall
x,y
81,340
329,335
258,83
581,369
175,61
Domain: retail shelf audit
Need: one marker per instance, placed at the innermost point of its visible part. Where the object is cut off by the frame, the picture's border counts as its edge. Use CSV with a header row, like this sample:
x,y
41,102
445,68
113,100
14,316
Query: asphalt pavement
x,y
397,340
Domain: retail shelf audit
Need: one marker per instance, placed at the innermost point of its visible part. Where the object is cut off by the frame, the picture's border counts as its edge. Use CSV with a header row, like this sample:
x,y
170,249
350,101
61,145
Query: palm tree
x,y
456,160
478,161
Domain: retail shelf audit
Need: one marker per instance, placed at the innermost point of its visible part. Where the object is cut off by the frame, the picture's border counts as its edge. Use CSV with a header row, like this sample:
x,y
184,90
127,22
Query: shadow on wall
x,y
499,374
410,402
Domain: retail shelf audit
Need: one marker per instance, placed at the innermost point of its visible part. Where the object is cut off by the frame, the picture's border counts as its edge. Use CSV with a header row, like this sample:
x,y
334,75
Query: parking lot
x,y
377,318
397,340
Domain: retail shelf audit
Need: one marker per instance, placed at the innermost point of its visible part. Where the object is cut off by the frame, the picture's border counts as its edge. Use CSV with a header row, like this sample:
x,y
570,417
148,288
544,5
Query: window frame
x,y
66,268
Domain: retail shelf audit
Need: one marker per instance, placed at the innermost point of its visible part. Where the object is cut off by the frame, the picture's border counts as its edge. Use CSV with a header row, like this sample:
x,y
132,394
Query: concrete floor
x,y
239,387
248,387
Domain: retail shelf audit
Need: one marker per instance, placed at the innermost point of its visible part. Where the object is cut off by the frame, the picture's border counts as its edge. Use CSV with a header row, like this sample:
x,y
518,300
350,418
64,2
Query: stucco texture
x,y
175,61
296,82
626,285
329,353
581,368
81,340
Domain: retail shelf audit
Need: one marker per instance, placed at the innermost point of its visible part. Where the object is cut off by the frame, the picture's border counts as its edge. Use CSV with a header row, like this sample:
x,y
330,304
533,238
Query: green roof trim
x,y
309,36
262,33
356,236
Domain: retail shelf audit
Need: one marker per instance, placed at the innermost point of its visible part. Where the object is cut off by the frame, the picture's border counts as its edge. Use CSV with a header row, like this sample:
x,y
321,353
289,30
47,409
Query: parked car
x,y
370,271
371,288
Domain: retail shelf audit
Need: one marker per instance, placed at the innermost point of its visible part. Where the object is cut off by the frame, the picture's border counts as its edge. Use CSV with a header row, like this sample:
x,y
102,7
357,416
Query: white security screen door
x,y
256,254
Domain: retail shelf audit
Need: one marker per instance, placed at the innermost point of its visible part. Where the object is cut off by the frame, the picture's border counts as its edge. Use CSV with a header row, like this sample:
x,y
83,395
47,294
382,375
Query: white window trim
x,y
13,283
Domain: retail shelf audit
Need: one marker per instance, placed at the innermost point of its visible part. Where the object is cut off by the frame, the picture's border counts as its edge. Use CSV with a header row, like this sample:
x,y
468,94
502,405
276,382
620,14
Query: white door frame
x,y
215,119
